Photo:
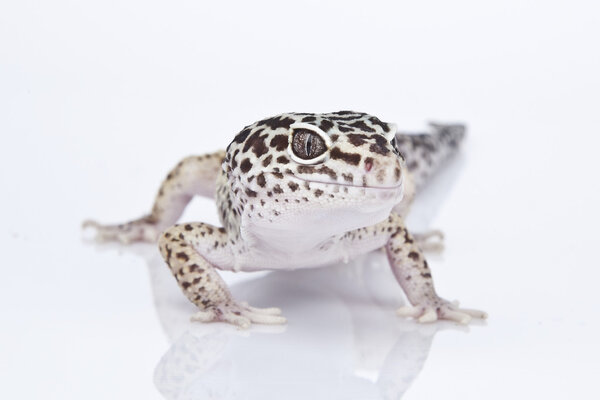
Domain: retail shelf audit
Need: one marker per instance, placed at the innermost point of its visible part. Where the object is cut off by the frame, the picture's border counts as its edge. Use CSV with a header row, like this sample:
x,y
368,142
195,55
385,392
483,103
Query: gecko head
x,y
341,159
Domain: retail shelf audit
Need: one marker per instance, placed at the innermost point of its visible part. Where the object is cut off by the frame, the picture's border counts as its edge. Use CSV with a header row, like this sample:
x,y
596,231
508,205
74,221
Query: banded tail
x,y
426,152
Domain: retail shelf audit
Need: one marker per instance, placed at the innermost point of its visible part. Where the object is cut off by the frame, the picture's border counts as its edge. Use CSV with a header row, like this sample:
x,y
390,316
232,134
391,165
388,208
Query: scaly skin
x,y
298,191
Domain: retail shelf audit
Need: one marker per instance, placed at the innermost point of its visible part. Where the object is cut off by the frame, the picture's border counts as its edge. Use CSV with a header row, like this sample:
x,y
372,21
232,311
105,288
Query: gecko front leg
x,y
412,272
194,175
185,248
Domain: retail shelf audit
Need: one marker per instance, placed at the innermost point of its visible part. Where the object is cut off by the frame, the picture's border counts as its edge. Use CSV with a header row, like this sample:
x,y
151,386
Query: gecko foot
x,y
240,314
431,241
140,230
444,310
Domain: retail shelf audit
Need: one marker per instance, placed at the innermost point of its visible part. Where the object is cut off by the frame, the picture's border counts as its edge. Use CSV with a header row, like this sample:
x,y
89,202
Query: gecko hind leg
x,y
194,175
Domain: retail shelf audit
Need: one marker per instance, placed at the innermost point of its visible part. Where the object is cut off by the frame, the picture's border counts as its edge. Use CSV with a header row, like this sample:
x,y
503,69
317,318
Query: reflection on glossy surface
x,y
342,340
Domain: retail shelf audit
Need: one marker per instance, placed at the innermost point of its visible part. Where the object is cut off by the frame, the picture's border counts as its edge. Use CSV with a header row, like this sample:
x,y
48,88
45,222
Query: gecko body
x,y
298,190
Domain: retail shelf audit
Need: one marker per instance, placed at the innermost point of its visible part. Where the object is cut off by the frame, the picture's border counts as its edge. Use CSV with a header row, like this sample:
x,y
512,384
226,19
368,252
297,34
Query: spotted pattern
x,y
259,188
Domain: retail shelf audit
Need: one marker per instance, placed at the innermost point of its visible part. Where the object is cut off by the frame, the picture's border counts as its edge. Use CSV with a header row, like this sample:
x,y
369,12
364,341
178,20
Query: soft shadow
x,y
342,340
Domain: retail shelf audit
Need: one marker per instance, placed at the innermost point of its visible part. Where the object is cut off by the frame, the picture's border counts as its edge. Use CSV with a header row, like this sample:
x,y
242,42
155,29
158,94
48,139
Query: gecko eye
x,y
308,144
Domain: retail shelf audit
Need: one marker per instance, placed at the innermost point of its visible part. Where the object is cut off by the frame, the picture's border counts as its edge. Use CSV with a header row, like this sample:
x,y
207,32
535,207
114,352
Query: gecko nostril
x,y
368,165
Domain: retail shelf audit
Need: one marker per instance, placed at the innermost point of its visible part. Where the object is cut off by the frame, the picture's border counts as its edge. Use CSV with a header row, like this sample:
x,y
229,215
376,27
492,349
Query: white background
x,y
99,99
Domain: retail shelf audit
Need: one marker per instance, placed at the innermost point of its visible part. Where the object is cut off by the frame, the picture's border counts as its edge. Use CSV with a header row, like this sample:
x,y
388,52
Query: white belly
x,y
308,241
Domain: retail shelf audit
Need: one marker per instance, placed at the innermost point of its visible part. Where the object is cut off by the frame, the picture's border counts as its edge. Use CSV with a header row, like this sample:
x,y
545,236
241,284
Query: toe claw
x,y
203,316
407,311
266,319
474,313
457,316
428,316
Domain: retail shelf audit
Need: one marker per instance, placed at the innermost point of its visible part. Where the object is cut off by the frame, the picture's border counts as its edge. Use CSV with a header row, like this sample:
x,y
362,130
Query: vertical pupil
x,y
308,144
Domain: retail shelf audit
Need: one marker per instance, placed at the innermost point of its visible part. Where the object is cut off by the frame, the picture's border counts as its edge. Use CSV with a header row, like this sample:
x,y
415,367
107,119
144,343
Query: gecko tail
x,y
425,153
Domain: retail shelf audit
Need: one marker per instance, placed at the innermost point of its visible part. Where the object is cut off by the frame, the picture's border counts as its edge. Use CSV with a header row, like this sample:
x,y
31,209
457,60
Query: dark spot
x,y
357,139
397,173
250,193
348,177
310,118
398,230
182,256
408,239
245,165
326,125
277,122
362,126
344,128
277,175
334,137
376,121
293,185
277,189
185,285
260,179
380,146
188,227
267,161
345,112
349,158
282,160
279,142
306,169
413,255
234,159
222,230
326,170
240,137
256,141
318,193
426,275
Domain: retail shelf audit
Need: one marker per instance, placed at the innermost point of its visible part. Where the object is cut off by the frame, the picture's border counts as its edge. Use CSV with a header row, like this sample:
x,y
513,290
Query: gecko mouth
x,y
399,185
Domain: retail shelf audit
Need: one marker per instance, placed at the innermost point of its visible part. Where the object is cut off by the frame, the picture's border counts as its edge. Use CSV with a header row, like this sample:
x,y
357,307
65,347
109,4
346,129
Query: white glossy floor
x,y
97,102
